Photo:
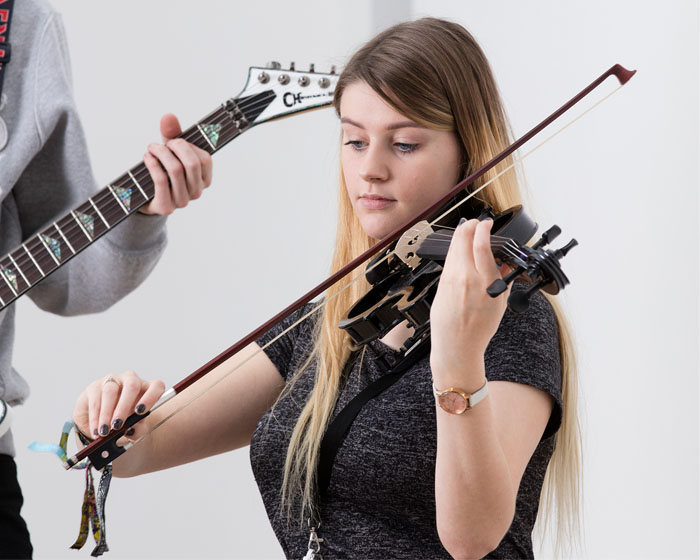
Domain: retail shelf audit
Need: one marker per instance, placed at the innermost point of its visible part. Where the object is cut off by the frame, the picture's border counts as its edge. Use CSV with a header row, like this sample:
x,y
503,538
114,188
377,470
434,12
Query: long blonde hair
x,y
433,72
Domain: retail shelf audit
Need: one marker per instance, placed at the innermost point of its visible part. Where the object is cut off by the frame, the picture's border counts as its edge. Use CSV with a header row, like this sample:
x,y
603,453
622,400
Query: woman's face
x,y
393,167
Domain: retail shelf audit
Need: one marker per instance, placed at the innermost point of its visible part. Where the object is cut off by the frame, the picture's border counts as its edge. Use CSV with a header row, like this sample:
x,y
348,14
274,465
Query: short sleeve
x,y
525,349
295,341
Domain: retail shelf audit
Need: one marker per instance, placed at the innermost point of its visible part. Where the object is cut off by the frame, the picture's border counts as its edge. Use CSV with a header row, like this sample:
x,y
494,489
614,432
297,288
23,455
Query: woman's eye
x,y
357,144
404,147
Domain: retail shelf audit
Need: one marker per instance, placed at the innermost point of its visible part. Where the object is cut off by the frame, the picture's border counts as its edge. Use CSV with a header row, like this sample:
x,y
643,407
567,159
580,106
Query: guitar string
x,y
361,275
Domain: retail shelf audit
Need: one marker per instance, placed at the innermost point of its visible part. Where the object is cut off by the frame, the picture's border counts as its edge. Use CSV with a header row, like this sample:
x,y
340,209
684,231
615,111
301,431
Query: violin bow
x,y
104,450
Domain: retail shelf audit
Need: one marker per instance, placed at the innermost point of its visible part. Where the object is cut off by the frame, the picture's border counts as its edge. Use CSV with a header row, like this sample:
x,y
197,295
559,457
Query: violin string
x,y
325,301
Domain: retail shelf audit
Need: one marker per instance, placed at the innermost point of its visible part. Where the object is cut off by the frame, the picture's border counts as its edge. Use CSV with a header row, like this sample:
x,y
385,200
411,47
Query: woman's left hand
x,y
180,170
463,317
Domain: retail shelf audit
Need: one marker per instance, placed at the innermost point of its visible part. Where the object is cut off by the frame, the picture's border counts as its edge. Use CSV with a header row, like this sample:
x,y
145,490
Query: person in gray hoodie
x,y
44,173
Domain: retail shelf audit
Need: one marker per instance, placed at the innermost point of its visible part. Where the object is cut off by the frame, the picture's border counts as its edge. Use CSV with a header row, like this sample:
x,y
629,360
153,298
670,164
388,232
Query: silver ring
x,y
112,379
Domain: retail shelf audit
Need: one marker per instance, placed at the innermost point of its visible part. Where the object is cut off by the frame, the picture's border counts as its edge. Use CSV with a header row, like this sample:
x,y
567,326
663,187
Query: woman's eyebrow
x,y
392,126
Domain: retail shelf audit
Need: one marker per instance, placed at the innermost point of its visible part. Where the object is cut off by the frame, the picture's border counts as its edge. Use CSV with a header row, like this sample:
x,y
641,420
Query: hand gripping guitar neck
x,y
270,93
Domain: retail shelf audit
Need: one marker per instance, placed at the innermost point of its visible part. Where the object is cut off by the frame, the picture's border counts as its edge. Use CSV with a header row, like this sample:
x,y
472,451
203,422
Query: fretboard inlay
x,y
124,194
212,131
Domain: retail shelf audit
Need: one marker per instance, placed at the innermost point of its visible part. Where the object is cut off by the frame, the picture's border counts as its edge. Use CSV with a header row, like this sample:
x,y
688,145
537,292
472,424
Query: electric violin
x,y
405,277
536,264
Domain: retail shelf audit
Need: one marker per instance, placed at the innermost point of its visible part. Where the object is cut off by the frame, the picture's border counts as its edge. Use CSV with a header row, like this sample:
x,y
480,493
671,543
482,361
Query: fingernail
x,y
94,432
104,430
117,423
130,432
461,221
140,409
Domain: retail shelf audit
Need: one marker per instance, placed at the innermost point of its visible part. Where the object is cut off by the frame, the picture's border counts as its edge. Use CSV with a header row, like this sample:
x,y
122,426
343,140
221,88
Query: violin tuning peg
x,y
519,301
497,287
547,237
559,253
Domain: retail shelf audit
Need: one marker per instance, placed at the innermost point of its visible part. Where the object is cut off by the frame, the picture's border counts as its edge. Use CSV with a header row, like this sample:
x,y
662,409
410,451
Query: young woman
x,y
419,110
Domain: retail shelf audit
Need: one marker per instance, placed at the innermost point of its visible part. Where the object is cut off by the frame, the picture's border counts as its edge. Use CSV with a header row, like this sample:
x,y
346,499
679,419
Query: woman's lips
x,y
374,202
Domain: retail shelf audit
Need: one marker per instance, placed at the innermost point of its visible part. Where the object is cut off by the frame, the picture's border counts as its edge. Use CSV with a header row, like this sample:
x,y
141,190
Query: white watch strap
x,y
475,397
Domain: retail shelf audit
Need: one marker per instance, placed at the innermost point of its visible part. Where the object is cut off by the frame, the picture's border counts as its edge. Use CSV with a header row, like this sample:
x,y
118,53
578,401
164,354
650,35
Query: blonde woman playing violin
x,y
419,111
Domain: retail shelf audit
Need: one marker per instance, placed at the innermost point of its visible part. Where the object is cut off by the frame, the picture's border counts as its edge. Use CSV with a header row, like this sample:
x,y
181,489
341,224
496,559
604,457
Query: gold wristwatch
x,y
456,401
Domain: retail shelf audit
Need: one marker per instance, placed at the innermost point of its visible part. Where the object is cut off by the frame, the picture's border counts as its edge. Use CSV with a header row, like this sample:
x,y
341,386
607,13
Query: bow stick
x,y
104,450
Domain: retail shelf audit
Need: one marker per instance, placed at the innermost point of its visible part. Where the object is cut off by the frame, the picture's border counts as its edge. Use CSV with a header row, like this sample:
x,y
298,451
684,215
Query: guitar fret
x,y
99,213
80,224
201,130
36,264
137,185
111,189
20,270
58,229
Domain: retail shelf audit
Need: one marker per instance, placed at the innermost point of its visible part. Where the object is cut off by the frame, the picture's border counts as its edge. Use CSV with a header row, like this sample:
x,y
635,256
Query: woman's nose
x,y
374,165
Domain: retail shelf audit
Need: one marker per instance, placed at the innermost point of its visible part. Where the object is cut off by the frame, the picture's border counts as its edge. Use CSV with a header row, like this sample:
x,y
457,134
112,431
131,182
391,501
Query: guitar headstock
x,y
540,266
294,90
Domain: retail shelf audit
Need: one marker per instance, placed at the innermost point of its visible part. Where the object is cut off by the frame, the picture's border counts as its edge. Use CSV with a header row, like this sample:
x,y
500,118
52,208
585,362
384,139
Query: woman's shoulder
x,y
291,337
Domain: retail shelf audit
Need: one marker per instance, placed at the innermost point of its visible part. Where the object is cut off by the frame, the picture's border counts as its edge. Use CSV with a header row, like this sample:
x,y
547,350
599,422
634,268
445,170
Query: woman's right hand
x,y
105,404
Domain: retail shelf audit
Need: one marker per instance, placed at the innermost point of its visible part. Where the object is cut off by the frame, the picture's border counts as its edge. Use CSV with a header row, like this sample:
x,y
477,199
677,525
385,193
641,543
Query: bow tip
x,y
622,74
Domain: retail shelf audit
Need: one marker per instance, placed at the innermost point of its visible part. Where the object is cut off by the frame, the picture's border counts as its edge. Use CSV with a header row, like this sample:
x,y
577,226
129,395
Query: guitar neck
x,y
48,250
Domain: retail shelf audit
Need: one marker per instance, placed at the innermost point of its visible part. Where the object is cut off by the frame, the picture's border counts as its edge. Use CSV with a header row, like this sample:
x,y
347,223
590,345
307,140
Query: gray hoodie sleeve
x,y
60,178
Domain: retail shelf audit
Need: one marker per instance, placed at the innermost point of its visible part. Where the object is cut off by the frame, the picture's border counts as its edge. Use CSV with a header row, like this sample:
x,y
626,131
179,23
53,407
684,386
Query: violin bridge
x,y
409,243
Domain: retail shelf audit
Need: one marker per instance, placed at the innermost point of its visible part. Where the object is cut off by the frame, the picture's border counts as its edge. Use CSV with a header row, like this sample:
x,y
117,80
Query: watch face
x,y
452,402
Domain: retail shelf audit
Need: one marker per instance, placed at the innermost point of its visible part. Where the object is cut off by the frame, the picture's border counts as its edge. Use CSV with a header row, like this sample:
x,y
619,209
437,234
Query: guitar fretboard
x,y
48,250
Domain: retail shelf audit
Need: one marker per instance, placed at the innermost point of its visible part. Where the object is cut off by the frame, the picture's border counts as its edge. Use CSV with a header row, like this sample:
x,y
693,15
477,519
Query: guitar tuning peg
x,y
333,69
559,253
292,66
312,67
273,65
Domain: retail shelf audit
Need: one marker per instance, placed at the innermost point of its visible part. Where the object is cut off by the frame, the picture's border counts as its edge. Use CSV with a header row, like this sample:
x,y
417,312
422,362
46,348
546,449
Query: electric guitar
x,y
270,93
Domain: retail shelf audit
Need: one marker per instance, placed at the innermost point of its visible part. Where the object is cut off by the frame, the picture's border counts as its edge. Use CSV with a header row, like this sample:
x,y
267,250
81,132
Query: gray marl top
x,y
45,172
381,499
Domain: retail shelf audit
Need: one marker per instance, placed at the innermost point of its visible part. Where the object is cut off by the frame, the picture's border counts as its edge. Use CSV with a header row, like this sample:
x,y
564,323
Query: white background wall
x,y
623,181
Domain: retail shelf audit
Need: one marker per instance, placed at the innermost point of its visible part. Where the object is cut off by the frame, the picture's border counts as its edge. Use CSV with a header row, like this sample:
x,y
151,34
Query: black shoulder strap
x,y
5,20
335,434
